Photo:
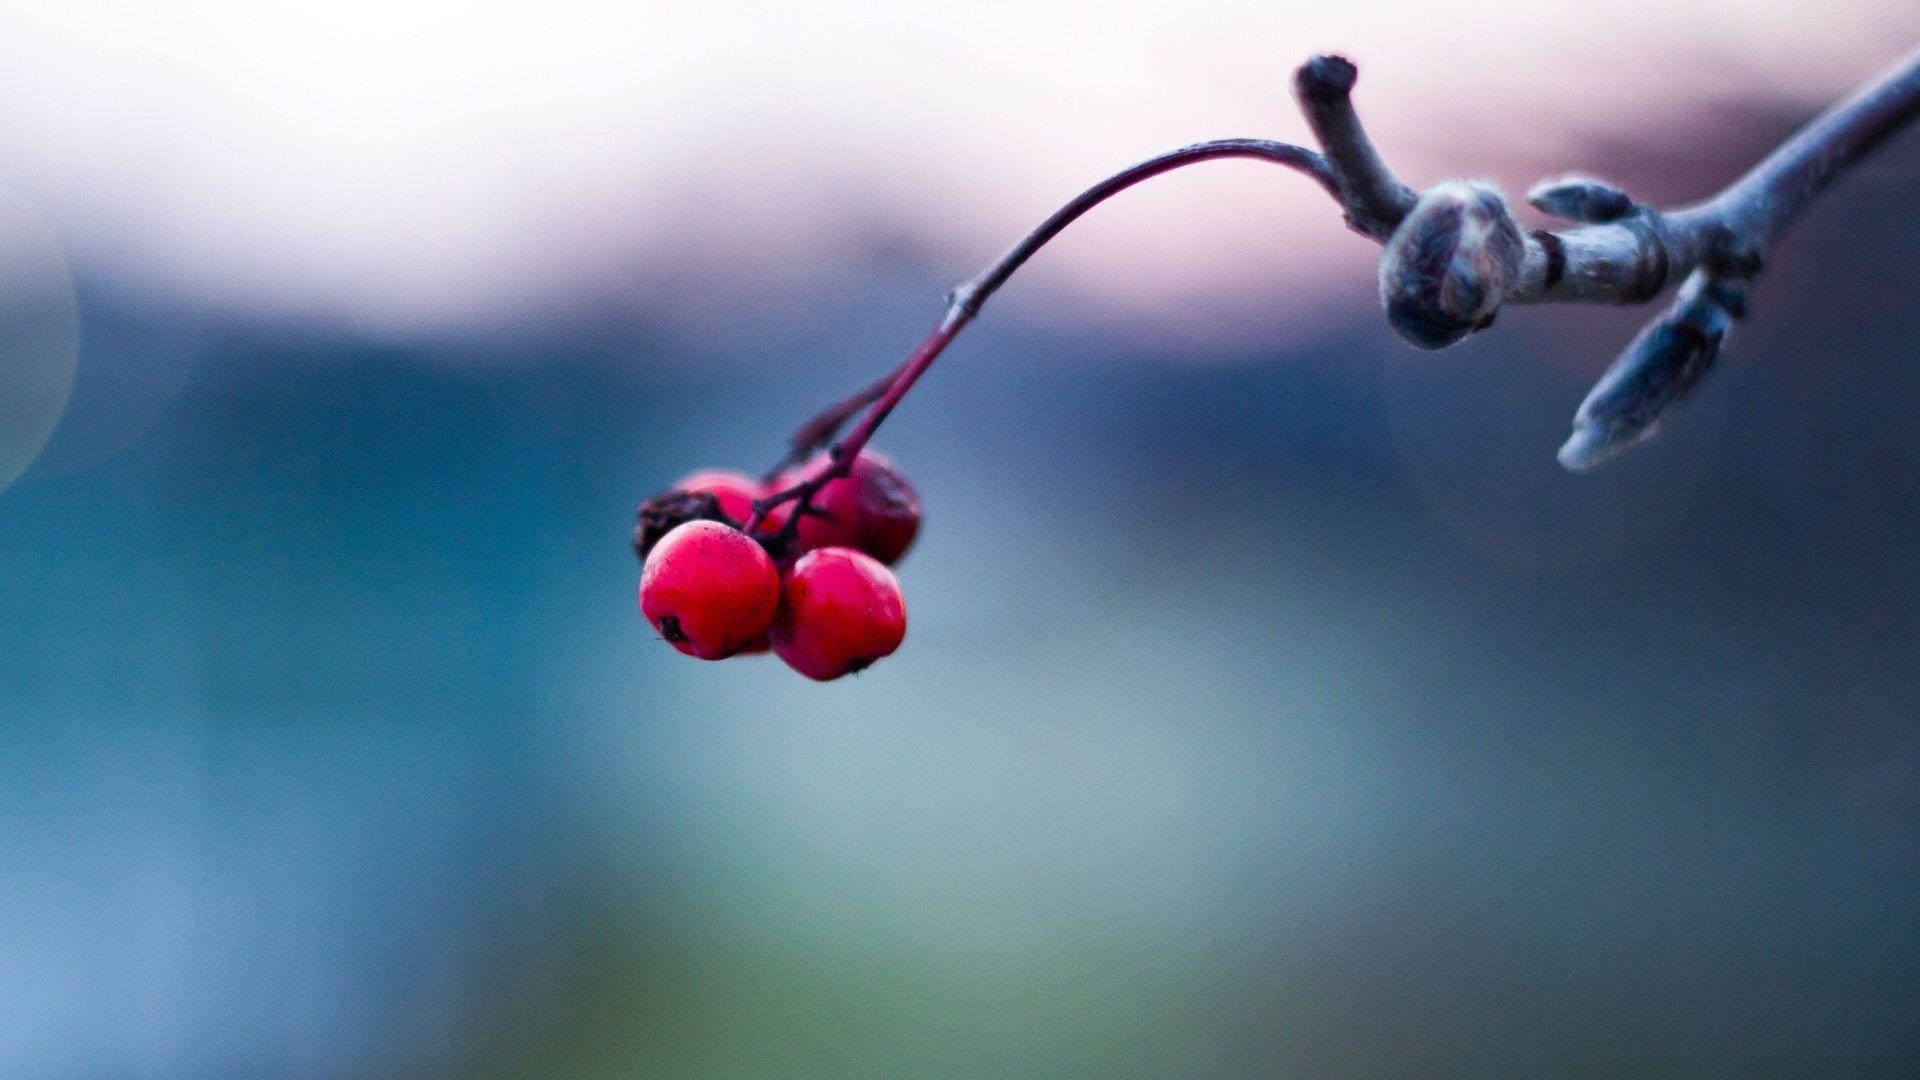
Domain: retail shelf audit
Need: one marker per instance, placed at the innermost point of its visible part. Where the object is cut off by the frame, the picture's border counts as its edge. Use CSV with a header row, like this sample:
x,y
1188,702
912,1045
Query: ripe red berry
x,y
709,589
872,508
840,610
734,491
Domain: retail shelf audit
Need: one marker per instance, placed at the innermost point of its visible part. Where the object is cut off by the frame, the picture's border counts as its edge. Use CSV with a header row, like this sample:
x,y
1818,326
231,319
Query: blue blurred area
x,y
1269,714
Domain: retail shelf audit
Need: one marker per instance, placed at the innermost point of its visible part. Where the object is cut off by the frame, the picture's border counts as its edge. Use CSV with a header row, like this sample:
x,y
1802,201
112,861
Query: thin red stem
x,y
965,301
827,423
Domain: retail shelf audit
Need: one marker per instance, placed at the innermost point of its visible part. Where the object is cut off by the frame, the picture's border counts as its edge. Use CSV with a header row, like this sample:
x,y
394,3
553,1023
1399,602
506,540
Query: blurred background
x,y
1274,705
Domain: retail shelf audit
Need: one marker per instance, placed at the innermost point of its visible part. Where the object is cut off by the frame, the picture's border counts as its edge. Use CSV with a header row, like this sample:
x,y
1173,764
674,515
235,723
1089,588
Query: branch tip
x,y
1325,76
1373,199
1661,366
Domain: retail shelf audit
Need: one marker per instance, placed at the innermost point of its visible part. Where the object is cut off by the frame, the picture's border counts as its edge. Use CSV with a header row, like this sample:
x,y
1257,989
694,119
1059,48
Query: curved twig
x,y
965,300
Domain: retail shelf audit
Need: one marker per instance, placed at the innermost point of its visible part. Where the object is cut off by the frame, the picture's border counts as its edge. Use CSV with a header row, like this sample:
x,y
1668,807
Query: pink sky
x,y
429,164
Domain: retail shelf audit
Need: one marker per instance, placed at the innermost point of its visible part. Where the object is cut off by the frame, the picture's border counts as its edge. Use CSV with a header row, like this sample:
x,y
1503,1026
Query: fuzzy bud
x,y
1450,264
1661,366
1581,198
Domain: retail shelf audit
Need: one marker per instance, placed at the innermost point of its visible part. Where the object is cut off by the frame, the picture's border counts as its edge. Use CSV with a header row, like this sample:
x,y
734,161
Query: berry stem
x,y
820,430
964,303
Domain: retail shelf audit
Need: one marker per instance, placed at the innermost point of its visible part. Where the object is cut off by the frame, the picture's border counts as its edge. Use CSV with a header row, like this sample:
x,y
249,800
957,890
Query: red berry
x,y
872,508
734,491
840,610
709,589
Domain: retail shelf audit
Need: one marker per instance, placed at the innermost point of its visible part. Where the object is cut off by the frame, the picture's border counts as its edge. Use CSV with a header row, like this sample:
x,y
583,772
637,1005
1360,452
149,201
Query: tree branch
x,y
1455,254
1722,242
1761,205
1374,199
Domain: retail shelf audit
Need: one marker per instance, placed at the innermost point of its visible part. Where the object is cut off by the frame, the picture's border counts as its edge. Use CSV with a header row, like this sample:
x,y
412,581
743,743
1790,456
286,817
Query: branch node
x,y
1556,257
1736,260
1652,263
966,298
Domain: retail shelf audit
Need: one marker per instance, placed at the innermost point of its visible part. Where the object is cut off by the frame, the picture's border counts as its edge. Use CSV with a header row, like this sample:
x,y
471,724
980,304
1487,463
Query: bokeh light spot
x,y
39,335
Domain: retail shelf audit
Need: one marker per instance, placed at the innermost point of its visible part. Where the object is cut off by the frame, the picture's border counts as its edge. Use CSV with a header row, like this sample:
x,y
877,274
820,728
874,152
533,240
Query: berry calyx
x,y
709,589
873,508
734,491
840,610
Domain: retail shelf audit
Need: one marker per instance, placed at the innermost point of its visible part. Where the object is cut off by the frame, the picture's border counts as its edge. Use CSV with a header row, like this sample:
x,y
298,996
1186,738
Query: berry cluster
x,y
729,572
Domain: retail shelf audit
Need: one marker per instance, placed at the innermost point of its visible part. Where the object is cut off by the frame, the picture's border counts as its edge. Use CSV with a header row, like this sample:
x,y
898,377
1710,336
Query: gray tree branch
x,y
1373,198
1455,254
